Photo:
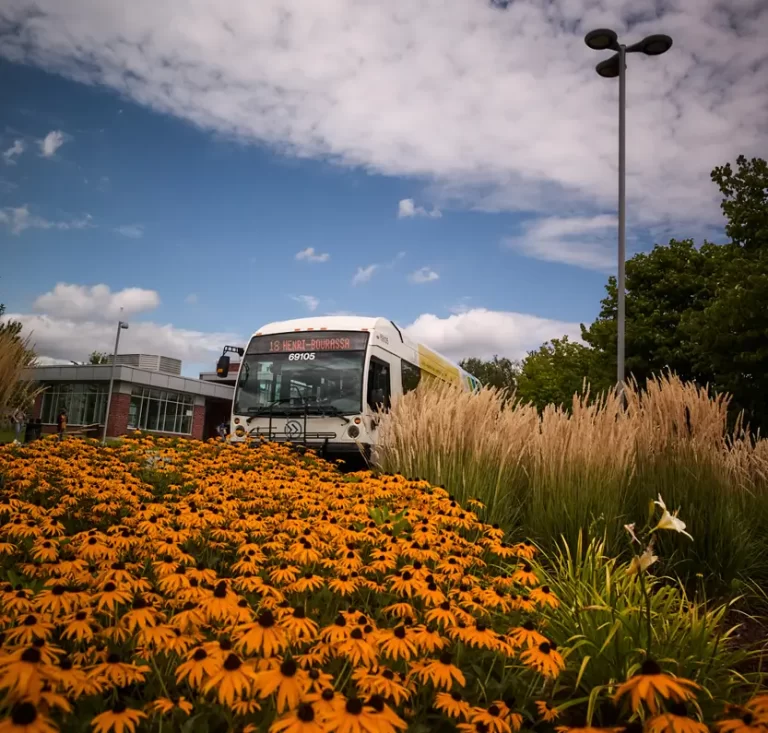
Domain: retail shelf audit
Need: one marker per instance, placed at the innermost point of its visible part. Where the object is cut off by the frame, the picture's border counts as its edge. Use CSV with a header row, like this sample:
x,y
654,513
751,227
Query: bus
x,y
322,381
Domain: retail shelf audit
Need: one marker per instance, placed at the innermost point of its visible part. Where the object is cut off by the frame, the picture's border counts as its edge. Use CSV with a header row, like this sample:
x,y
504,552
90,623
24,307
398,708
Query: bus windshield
x,y
289,373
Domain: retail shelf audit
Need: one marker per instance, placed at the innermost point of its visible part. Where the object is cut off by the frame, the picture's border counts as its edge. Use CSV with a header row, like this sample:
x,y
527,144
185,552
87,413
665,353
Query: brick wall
x,y
117,424
198,422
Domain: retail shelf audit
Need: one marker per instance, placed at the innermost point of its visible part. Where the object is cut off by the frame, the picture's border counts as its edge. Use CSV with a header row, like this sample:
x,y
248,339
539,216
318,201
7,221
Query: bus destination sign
x,y
284,343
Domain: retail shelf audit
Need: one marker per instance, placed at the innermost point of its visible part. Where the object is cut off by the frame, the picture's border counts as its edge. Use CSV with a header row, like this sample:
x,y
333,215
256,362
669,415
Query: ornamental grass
x,y
167,584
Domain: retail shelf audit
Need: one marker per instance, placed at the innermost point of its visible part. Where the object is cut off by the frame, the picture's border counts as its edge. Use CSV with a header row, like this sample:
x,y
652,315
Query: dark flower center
x,y
445,658
528,626
266,619
327,694
232,663
649,667
305,712
221,590
544,647
288,668
376,702
119,707
357,634
66,664
30,620
400,632
314,674
113,659
340,621
388,674
23,714
199,655
31,655
139,603
110,587
58,590
354,706
494,710
299,612
545,589
678,708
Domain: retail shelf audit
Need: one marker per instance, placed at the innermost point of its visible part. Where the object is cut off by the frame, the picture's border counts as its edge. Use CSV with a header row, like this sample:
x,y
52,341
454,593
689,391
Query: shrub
x,y
596,465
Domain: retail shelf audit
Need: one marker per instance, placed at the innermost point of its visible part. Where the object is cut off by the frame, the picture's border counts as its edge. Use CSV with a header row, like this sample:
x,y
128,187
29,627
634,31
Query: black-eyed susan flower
x,y
747,722
168,705
233,680
80,626
198,667
544,596
119,719
545,659
261,636
525,575
491,717
302,719
675,720
288,681
453,705
298,625
546,711
525,635
26,718
351,716
397,643
442,672
650,683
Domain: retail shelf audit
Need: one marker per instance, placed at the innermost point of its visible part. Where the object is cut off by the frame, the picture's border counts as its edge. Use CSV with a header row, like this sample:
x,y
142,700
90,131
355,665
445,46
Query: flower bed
x,y
170,583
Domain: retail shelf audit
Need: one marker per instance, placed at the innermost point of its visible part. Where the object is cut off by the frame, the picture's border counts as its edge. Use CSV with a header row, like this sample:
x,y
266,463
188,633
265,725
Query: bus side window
x,y
411,376
379,387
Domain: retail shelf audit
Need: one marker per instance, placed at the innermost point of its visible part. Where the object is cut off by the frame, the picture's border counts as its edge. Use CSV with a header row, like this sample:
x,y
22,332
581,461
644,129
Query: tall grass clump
x,y
598,465
15,391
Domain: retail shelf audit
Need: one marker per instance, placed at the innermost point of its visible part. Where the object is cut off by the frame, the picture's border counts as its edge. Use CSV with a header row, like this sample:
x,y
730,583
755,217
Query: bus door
x,y
380,382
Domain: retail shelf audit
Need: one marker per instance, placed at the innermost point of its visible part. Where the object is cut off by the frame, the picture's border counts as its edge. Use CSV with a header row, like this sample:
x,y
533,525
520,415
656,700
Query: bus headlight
x,y
239,431
353,431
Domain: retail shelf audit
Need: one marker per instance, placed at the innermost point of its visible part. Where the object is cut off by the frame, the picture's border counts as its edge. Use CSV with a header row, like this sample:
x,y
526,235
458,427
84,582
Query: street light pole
x,y
120,325
622,218
604,39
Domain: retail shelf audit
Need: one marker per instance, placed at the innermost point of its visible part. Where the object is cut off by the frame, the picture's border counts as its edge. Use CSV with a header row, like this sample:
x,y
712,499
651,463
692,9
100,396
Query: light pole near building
x,y
605,39
120,326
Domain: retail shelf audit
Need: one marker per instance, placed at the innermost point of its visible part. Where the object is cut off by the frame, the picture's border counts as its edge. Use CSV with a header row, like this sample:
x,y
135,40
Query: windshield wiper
x,y
333,410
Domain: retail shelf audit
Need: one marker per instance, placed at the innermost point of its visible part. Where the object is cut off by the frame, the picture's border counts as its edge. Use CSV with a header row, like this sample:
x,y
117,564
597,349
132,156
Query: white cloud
x,y
191,299
14,151
51,143
56,337
482,333
19,218
310,255
132,231
588,242
364,274
497,109
423,275
98,302
310,301
407,209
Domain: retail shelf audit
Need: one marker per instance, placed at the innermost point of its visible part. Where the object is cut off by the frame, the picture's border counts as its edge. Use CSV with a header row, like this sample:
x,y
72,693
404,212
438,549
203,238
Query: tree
x,y
557,371
98,357
497,372
702,312
10,327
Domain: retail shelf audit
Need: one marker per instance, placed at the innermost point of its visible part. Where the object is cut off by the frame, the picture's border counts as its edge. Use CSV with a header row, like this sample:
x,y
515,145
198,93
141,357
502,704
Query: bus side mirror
x,y
222,366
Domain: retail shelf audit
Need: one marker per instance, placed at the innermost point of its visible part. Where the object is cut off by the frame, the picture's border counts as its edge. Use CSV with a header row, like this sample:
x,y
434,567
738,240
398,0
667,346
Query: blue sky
x,y
189,200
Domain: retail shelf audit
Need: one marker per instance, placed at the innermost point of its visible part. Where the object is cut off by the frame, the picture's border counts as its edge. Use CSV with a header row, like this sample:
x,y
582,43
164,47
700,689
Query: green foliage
x,y
501,373
603,620
559,370
98,357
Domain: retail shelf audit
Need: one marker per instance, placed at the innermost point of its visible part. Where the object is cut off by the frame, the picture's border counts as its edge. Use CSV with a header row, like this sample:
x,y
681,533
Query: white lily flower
x,y
642,563
670,521
631,529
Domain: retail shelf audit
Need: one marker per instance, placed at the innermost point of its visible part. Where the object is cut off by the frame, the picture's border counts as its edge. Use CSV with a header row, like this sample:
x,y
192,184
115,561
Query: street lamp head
x,y
602,39
123,324
609,68
655,45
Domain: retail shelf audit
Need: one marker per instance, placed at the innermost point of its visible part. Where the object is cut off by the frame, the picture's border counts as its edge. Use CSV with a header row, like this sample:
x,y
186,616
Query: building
x,y
149,394
231,378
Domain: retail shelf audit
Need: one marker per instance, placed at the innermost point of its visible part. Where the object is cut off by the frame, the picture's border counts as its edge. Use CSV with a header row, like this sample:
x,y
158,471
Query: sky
x,y
200,169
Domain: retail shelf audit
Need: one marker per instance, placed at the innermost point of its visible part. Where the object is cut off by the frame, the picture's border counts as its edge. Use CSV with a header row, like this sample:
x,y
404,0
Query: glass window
x,y
411,375
322,383
379,384
85,402
160,410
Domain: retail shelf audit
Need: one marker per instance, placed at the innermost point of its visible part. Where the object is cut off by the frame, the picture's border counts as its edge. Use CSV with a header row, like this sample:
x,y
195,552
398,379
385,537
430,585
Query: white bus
x,y
318,381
